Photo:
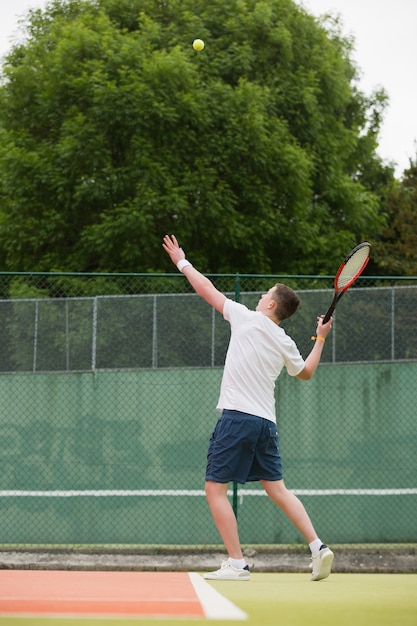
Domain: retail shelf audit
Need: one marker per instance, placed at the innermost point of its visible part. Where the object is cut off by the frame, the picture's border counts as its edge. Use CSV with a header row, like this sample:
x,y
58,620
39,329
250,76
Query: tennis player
x,y
244,443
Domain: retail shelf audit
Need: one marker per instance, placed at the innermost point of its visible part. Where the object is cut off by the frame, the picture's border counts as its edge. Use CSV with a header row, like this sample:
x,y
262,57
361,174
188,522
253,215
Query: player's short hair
x,y
286,299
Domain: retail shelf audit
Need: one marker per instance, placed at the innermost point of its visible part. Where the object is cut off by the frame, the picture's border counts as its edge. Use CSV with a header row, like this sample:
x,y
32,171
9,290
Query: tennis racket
x,y
348,272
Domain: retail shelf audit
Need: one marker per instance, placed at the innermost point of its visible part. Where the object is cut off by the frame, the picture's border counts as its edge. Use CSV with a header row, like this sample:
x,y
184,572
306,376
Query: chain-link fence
x,y
108,388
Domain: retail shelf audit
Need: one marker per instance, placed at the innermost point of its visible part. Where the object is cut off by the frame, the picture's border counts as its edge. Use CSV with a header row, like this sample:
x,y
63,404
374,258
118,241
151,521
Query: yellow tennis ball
x,y
198,44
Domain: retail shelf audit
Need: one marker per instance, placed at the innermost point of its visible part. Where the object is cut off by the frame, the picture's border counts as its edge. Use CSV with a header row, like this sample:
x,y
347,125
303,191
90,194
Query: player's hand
x,y
171,247
323,329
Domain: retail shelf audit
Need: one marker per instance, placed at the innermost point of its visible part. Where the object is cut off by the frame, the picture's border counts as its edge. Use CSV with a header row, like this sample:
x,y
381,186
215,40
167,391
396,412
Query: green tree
x,y
395,249
258,152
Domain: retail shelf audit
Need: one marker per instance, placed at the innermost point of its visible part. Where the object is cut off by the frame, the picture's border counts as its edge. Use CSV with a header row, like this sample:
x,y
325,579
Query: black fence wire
x,y
108,388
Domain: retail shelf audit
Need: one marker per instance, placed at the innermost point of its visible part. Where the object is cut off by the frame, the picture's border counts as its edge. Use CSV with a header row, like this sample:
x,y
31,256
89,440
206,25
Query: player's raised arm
x,y
313,359
200,283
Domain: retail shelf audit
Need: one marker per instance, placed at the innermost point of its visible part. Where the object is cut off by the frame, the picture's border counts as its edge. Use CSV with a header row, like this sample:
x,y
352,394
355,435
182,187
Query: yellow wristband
x,y
323,339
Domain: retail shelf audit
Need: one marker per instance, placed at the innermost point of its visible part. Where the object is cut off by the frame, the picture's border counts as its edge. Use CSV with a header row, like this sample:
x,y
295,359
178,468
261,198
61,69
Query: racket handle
x,y
328,314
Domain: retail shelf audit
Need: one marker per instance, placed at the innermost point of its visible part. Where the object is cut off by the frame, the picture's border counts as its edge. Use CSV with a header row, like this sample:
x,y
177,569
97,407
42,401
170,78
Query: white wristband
x,y
183,263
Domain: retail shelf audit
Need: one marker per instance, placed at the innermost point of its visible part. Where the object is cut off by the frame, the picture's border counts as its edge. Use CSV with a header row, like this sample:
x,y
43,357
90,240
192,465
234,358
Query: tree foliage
x,y
395,248
258,152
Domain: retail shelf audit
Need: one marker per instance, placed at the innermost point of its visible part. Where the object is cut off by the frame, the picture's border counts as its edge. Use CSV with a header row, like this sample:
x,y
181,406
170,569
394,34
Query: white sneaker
x,y
228,572
321,564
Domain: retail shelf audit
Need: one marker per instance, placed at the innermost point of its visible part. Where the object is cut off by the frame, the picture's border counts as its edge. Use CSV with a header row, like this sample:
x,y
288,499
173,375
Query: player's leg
x,y
322,556
291,506
224,517
230,457
235,568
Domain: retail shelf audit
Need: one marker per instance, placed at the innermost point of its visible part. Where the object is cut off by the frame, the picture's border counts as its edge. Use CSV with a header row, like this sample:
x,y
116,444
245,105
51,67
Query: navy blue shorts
x,y
243,448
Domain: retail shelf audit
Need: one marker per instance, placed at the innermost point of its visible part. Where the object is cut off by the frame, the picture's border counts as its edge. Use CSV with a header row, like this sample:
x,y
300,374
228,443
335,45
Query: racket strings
x,y
353,267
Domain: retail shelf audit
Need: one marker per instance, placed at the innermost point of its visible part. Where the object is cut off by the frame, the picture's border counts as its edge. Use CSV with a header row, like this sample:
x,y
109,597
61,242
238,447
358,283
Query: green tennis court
x,y
291,599
341,600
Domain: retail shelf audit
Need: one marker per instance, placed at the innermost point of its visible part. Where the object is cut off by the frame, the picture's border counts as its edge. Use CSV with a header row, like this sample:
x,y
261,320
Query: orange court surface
x,y
177,595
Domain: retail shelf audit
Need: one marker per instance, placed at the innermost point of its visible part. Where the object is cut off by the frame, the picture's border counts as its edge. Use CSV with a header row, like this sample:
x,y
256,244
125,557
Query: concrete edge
x,y
354,559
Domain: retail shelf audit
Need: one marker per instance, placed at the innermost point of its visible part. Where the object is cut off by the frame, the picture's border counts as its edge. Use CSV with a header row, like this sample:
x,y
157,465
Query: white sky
x,y
385,34
385,51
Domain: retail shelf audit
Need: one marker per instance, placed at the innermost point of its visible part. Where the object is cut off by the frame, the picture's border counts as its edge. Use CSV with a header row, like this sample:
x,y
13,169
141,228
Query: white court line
x,y
400,491
215,606
103,493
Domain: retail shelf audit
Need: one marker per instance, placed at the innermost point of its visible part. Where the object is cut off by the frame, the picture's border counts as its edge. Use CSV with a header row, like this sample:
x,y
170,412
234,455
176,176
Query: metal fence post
x,y
155,333
237,299
392,324
94,337
35,337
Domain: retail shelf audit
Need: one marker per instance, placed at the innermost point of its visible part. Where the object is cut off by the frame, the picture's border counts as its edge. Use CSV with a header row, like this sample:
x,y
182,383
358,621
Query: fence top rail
x,y
245,292
179,275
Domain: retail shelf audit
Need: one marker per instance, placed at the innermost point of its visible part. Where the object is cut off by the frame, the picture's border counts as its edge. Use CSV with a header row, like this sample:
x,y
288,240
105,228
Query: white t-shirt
x,y
257,352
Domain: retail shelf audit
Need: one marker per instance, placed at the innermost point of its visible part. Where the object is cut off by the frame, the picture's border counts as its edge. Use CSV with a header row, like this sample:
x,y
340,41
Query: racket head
x,y
352,267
